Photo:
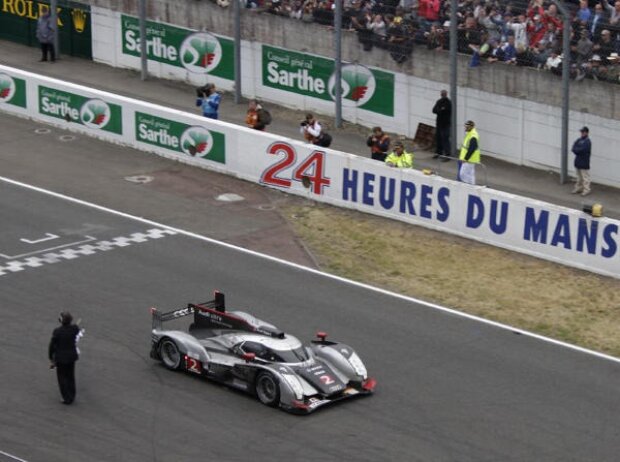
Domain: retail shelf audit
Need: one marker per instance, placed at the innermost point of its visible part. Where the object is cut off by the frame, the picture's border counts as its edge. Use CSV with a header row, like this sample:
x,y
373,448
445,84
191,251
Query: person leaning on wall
x,y
399,157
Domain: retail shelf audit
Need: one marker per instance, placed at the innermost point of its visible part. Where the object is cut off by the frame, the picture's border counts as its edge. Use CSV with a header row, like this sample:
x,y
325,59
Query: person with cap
x,y
63,353
399,157
582,148
613,68
470,154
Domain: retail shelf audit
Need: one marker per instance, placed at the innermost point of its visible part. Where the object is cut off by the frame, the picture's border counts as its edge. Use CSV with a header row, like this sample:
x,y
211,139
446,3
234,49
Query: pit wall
x,y
515,130
504,220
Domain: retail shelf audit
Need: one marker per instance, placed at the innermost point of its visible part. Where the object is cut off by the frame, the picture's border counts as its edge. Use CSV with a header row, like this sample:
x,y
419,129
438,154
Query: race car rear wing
x,y
216,305
213,315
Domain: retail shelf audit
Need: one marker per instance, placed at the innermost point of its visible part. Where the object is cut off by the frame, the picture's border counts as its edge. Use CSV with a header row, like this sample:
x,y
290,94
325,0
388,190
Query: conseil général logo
x,y
94,113
12,90
358,85
189,140
200,52
7,88
196,141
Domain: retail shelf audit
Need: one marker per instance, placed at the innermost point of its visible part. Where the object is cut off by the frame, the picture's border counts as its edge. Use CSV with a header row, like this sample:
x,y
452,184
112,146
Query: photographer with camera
x,y
209,100
257,116
314,133
379,144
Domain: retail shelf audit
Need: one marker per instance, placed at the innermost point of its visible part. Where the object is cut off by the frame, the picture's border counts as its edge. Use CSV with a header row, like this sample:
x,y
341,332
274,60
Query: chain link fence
x,y
517,32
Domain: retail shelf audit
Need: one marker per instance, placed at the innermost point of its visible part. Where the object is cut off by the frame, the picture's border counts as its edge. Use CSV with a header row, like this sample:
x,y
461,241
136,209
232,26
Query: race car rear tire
x,y
267,389
170,355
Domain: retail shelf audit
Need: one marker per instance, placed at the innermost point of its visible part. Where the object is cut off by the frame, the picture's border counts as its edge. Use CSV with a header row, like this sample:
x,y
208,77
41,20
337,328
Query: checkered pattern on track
x,y
87,249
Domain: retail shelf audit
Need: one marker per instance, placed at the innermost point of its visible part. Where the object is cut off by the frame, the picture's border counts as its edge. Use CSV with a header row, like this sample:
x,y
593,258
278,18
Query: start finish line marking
x,y
48,237
87,249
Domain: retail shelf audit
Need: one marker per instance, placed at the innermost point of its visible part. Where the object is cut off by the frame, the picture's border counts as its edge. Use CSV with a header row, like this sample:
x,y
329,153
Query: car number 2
x,y
326,379
193,365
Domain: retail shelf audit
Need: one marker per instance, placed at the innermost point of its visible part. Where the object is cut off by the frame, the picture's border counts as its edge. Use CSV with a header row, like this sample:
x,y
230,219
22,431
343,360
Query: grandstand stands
x,y
499,32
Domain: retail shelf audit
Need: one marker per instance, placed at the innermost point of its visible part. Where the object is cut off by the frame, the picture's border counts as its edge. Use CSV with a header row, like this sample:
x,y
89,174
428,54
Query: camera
x,y
304,123
200,91
204,90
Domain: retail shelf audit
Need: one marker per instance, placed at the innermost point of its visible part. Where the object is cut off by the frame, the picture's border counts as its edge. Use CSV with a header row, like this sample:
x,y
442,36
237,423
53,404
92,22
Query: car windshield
x,y
296,355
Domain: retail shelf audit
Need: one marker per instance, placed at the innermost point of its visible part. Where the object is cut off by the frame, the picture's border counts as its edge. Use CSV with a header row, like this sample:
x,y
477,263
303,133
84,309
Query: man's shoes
x,y
585,193
576,191
436,156
42,60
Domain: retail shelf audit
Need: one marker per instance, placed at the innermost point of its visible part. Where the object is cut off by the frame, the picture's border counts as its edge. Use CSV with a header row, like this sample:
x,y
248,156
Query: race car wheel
x,y
267,389
170,354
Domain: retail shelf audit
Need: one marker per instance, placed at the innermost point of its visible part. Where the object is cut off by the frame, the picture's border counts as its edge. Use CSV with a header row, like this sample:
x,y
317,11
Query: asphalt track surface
x,y
450,388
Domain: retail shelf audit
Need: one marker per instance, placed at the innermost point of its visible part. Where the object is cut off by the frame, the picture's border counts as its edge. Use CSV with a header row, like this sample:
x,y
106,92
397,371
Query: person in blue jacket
x,y
582,148
209,100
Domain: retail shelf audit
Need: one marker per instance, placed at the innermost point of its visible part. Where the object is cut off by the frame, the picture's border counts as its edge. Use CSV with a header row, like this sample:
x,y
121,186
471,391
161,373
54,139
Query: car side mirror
x,y
321,336
248,357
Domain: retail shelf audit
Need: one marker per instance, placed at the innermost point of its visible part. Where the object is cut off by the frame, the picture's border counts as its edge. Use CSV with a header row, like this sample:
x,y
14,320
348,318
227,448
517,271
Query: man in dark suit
x,y
63,354
443,111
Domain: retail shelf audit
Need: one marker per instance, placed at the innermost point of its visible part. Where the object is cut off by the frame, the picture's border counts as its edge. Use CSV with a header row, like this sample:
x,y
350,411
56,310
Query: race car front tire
x,y
170,354
267,389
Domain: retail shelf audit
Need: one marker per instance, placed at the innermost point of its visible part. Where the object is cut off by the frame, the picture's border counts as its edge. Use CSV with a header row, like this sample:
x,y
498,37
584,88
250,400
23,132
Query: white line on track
x,y
49,258
12,456
314,271
12,257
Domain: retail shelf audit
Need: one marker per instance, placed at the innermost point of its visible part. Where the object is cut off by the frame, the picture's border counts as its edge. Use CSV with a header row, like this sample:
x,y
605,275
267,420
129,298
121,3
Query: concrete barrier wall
x,y
512,129
532,227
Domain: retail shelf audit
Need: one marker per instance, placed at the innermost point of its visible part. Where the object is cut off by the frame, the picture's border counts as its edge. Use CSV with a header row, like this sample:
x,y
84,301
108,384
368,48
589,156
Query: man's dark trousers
x,y
442,140
66,381
47,48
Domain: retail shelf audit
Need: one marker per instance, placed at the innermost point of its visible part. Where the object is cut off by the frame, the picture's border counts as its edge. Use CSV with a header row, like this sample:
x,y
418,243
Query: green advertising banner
x,y
309,75
12,90
91,112
198,52
193,140
18,23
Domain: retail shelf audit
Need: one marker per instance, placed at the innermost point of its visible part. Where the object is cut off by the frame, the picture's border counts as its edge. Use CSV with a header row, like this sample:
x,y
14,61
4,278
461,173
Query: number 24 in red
x,y
312,167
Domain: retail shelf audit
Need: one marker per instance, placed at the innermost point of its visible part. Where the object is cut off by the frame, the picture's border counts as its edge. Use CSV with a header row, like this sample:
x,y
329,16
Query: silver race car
x,y
241,351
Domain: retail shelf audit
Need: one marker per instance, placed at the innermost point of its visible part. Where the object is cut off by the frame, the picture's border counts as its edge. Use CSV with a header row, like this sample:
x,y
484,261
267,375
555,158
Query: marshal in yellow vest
x,y
475,157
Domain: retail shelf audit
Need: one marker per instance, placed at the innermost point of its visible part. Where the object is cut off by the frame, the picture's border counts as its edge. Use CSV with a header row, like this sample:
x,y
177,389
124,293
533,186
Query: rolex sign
x,y
18,23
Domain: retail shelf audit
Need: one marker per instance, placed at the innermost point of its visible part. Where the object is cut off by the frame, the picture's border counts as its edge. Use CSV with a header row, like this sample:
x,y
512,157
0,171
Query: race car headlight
x,y
295,385
358,365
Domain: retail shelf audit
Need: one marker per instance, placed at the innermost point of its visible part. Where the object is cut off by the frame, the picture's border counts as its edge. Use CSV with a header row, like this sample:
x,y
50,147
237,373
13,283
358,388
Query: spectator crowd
x,y
509,32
